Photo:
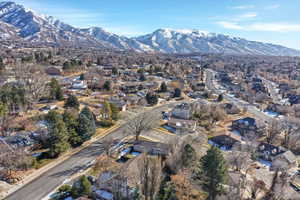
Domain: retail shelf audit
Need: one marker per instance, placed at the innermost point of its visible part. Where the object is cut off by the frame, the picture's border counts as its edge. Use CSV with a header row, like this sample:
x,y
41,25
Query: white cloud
x,y
243,7
247,15
274,27
269,27
272,7
230,25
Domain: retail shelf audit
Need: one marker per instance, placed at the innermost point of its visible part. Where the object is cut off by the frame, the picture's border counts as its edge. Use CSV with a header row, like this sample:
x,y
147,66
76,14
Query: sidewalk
x,y
59,160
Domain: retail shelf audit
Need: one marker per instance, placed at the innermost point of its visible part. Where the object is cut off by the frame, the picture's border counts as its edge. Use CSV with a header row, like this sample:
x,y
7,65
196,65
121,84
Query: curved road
x,y
42,186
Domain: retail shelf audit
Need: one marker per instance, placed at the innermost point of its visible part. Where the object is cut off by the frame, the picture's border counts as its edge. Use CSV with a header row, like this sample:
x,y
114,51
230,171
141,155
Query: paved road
x,y
210,77
47,182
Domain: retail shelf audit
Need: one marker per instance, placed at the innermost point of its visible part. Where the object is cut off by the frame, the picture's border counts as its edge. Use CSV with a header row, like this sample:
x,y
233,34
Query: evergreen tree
x,y
107,86
114,71
136,194
163,87
166,190
81,77
114,111
87,112
212,172
86,125
82,188
55,90
58,142
220,98
188,155
177,93
71,123
72,102
151,99
2,66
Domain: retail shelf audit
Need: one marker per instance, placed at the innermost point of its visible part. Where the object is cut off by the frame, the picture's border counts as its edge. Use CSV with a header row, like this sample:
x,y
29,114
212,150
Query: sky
x,y
274,21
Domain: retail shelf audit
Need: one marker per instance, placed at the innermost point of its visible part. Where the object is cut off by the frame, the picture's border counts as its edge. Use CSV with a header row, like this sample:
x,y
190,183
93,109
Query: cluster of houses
x,y
179,120
269,155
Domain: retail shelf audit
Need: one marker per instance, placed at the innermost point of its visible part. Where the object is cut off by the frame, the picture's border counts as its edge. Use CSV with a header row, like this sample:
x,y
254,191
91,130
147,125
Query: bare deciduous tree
x,y
291,128
150,176
143,122
107,144
239,160
33,79
13,159
272,132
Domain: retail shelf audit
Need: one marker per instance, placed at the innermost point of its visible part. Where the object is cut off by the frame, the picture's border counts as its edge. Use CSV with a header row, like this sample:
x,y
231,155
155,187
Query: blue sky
x,y
275,21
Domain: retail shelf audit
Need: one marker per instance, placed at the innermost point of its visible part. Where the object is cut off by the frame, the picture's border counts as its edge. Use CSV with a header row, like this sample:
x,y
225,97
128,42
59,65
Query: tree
x,y
106,111
163,87
220,98
32,79
151,99
82,188
55,90
167,190
58,141
71,123
114,111
291,129
3,116
86,125
72,102
141,123
188,155
212,172
272,132
64,191
114,71
143,77
107,144
150,173
107,86
2,66
177,93
81,77
13,159
136,194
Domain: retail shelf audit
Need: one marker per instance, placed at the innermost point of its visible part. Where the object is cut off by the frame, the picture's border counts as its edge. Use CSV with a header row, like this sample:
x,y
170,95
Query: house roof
x,y
152,146
289,156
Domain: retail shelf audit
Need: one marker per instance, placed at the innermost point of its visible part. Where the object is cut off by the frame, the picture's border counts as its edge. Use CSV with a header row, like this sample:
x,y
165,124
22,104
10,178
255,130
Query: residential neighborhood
x,y
174,115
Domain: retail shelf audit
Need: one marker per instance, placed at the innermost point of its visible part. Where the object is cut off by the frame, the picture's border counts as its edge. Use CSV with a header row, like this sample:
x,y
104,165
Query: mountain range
x,y
20,24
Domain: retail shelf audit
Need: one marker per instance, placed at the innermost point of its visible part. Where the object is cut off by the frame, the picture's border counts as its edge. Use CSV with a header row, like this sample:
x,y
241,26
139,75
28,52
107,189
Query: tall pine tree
x,y
58,142
71,122
86,124
212,172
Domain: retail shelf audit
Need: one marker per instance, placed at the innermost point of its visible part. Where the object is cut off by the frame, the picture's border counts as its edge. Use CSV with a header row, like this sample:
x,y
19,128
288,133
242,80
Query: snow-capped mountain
x,y
189,41
116,41
41,29
8,32
19,23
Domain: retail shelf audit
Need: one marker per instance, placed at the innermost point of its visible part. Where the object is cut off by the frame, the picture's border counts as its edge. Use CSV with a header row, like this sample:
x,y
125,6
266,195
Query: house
x,y
286,160
268,151
108,182
182,111
225,140
182,125
53,71
152,148
79,85
247,126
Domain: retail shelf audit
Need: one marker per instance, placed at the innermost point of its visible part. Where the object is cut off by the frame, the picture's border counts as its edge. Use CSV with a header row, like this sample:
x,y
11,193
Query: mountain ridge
x,y
19,23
